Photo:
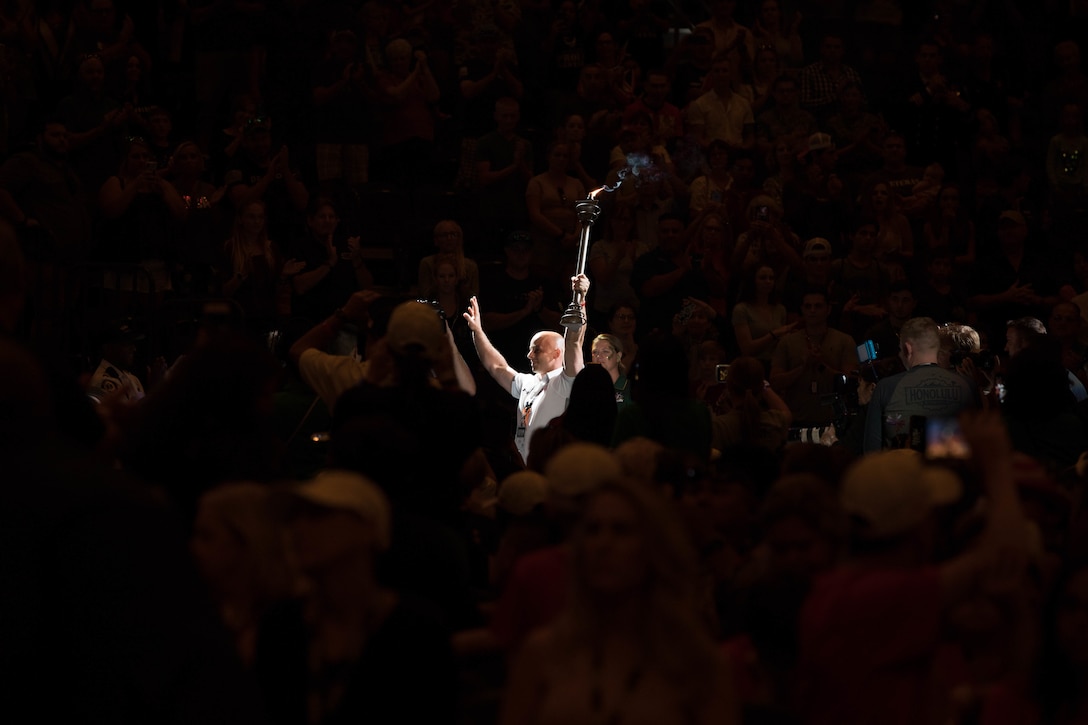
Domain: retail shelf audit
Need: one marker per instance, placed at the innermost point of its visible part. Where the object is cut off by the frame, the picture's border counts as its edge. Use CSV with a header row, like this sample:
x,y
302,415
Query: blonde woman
x,y
607,351
630,646
255,267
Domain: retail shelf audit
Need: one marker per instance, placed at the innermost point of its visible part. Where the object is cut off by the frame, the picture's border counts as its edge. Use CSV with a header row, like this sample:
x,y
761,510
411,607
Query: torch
x,y
588,210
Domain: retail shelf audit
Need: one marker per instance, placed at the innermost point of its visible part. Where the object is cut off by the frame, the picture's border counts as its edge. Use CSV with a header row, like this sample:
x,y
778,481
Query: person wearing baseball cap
x,y
871,627
369,651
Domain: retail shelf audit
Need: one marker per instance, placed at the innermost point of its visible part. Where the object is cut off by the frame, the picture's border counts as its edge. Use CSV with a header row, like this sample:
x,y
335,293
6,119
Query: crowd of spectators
x,y
299,426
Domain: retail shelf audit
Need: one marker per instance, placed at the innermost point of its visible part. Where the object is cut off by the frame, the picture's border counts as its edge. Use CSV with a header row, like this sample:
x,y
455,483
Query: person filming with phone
x,y
924,389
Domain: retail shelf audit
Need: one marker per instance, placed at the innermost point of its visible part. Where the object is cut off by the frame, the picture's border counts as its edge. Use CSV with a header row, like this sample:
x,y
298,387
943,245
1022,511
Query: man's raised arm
x,y
492,359
573,358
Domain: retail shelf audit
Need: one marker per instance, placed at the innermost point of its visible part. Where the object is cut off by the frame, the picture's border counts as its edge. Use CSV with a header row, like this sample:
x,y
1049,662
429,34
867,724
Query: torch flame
x,y
593,194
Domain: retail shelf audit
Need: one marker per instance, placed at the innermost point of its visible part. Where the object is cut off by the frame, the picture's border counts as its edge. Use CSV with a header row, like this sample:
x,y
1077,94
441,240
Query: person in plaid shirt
x,y
823,81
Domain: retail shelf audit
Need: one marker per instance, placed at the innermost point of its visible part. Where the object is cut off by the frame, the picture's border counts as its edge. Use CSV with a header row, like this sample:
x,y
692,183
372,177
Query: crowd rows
x,y
312,415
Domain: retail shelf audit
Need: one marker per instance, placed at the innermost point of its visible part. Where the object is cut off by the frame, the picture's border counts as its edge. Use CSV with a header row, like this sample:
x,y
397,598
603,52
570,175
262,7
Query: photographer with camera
x,y
924,390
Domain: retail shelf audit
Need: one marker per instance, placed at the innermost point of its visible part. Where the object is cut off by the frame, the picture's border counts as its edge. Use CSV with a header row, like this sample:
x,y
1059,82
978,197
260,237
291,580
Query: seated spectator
x,y
255,172
823,82
871,627
710,190
951,228
759,319
859,280
660,639
857,133
198,251
549,199
667,122
814,273
256,273
663,277
768,240
95,124
342,90
784,169
611,261
140,211
225,146
350,647
333,269
1014,281
712,243
160,136
406,93
785,121
900,177
765,69
707,364
720,114
449,240
519,301
572,132
504,165
896,400
623,323
808,361
689,74
756,416
238,547
894,238
39,189
938,296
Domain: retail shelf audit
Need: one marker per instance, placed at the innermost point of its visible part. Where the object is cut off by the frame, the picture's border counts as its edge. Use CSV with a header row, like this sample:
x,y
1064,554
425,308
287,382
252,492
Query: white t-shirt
x,y
539,400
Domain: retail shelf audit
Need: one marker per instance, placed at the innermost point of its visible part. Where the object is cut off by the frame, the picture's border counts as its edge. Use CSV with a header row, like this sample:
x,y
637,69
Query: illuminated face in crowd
x,y
445,276
605,355
544,354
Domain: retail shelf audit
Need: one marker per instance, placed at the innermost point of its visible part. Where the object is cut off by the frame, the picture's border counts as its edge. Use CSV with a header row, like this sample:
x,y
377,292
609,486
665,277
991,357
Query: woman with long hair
x,y
894,238
951,228
631,639
759,319
257,275
758,417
